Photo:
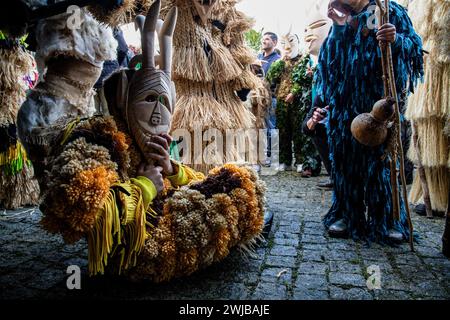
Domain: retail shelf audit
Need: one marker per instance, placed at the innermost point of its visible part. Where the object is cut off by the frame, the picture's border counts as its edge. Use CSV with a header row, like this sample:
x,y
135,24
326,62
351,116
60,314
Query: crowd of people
x,y
313,115
103,160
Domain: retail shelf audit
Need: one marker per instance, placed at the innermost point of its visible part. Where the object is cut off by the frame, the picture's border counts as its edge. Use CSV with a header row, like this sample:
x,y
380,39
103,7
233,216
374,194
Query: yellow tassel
x,y
120,230
69,129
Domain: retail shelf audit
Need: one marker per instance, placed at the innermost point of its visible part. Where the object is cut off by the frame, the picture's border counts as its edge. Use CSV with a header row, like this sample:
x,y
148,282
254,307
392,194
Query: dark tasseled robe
x,y
349,80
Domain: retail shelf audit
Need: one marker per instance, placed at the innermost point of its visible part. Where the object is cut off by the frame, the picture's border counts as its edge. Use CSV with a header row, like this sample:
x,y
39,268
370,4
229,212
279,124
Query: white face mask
x,y
290,46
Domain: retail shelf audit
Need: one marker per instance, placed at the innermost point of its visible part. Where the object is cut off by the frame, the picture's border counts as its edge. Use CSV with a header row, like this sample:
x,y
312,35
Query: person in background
x,y
269,53
315,122
268,56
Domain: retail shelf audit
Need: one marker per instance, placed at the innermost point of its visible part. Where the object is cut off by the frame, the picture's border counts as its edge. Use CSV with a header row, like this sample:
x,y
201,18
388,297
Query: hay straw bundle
x,y
440,178
434,145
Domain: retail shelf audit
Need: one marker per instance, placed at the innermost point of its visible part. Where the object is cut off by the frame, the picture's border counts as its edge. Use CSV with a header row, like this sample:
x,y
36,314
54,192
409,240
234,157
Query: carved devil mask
x,y
151,97
290,45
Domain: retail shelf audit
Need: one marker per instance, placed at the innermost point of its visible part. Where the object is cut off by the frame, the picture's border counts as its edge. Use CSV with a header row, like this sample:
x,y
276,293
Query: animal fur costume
x,y
293,74
210,64
429,107
349,80
88,173
18,188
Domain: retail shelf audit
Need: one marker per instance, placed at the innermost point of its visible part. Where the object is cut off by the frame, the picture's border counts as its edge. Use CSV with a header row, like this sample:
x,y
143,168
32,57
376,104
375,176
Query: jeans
x,y
271,124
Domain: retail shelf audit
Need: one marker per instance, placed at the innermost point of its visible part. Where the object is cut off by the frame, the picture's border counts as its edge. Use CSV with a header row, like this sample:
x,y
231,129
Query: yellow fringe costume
x,y
130,229
429,107
17,185
86,166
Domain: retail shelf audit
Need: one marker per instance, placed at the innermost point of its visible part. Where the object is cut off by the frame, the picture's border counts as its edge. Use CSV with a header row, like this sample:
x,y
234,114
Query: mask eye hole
x,y
151,98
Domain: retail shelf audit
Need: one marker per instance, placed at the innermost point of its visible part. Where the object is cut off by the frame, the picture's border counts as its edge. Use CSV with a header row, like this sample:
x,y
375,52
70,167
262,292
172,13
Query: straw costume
x,y
90,185
211,69
429,107
17,186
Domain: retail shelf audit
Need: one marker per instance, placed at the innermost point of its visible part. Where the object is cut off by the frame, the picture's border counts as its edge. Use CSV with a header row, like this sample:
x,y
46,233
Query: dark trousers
x,y
320,140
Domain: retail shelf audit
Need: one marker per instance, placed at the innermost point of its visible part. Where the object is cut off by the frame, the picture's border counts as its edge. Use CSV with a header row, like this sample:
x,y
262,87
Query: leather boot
x,y
338,229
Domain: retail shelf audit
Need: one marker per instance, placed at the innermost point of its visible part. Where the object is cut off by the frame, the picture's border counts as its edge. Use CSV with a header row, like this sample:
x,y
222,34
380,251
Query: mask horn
x,y
165,40
139,23
290,30
148,36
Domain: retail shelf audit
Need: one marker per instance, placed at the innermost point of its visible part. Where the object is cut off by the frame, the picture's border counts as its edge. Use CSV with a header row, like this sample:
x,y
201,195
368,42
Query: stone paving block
x,y
390,281
289,229
407,258
286,235
344,267
278,250
304,294
418,271
391,295
314,246
281,275
47,279
340,255
438,265
337,293
317,230
280,261
269,291
286,242
428,288
312,268
347,279
307,238
371,253
311,282
314,255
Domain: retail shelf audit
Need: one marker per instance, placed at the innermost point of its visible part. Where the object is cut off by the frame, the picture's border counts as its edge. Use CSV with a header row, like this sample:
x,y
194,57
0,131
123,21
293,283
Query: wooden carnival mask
x,y
290,45
317,31
204,8
150,94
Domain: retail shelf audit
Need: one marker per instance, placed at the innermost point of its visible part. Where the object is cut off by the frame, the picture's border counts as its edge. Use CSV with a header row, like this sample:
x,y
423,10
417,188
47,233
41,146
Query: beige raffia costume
x,y
210,64
429,107
17,185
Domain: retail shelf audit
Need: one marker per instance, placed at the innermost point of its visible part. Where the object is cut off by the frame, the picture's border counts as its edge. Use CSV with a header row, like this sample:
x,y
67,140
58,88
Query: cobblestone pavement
x,y
299,261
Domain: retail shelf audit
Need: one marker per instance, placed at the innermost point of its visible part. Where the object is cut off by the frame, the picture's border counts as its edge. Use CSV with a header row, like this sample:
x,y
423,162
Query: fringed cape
x,y
349,80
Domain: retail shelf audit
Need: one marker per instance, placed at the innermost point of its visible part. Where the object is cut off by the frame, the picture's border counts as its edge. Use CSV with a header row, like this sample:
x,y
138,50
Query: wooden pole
x,y
398,134
397,152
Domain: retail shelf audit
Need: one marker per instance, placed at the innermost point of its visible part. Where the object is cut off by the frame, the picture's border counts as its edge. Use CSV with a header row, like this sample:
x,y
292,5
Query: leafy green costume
x,y
294,76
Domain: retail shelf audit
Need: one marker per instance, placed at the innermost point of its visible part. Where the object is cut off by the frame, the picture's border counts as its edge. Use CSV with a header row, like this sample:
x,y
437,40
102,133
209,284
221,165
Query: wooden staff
x,y
397,152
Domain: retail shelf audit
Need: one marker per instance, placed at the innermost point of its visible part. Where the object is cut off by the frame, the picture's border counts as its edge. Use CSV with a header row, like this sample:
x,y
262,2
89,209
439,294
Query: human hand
x,y
289,98
319,114
153,173
161,155
387,33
